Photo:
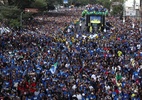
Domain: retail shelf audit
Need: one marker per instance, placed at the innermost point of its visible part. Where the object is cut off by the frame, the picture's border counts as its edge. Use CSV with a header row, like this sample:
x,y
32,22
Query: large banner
x,y
85,12
95,19
65,1
130,12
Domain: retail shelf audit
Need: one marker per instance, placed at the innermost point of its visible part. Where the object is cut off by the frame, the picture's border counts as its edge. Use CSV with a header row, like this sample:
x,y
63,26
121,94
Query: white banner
x,y
131,13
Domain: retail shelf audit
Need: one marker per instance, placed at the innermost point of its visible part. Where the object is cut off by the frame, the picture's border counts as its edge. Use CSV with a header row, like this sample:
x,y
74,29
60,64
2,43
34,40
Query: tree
x,y
9,12
24,3
4,2
19,3
14,23
50,4
11,15
121,1
105,3
40,4
92,1
117,10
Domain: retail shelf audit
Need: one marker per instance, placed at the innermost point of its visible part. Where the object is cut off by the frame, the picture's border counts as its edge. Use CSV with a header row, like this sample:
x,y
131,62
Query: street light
x,y
140,23
124,12
21,17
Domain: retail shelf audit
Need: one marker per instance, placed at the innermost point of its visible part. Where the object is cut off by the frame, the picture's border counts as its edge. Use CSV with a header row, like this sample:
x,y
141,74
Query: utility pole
x,y
21,19
134,3
124,12
140,16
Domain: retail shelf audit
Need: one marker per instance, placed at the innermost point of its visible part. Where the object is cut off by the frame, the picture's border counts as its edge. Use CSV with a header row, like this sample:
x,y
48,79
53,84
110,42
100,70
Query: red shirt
x,y
33,87
117,91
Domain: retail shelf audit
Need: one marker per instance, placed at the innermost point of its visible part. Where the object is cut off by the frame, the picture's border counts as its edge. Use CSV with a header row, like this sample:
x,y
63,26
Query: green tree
x,y
117,10
24,3
40,4
105,3
121,1
11,15
9,12
19,3
55,2
14,23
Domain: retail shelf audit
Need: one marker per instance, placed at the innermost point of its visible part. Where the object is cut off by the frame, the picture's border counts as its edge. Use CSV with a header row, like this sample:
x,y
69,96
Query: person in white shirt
x,y
79,96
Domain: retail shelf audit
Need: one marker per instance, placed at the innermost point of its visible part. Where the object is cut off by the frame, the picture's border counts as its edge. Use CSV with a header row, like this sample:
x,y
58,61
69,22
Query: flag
x,y
118,77
53,68
76,21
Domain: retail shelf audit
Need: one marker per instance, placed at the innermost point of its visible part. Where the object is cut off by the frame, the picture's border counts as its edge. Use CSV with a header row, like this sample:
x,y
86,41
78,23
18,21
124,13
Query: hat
x,y
74,95
135,91
83,94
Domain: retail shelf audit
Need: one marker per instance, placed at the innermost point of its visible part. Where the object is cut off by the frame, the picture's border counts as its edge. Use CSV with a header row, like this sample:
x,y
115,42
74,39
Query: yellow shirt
x,y
91,29
119,53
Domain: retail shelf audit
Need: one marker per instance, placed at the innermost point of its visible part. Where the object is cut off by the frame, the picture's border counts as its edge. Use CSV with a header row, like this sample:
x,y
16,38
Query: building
x,y
141,7
140,16
132,8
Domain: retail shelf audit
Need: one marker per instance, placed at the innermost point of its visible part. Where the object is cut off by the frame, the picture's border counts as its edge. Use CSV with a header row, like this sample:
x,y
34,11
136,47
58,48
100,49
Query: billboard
x,y
65,1
130,12
95,19
135,4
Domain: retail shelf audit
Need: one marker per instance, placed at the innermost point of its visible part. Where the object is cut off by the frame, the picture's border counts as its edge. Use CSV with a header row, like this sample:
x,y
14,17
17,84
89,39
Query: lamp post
x,y
140,14
124,13
21,17
140,23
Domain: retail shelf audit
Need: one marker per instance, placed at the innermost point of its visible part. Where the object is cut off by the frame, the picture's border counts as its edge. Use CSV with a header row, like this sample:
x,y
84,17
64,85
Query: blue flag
x,y
53,68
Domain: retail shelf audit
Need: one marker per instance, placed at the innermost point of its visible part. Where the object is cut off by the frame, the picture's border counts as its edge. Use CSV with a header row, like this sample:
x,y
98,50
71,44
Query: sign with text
x,y
131,13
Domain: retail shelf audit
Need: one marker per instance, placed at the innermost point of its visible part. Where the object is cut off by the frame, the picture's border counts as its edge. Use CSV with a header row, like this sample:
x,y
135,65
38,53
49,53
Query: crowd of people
x,y
96,7
47,62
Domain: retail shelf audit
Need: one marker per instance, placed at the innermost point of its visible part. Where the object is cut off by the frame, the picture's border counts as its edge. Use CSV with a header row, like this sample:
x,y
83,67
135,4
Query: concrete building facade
x,y
132,8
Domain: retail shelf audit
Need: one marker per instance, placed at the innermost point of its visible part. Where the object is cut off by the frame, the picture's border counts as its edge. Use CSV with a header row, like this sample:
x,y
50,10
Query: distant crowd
x,y
95,7
54,58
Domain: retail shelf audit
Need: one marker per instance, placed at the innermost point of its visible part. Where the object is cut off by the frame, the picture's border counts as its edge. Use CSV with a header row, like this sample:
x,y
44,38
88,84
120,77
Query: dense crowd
x,y
44,62
96,7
